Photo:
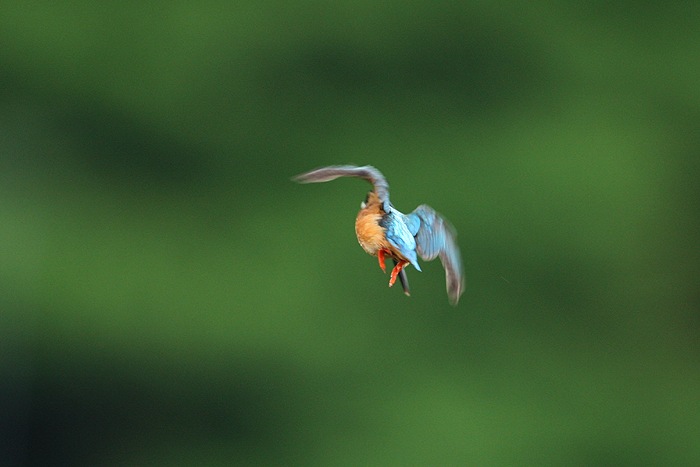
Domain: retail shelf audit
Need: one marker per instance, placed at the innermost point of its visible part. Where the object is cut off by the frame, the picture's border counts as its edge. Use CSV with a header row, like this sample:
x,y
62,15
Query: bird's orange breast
x,y
369,233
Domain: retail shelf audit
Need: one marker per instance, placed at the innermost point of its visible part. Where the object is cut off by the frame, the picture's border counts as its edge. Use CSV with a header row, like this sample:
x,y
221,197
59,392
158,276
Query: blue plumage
x,y
399,235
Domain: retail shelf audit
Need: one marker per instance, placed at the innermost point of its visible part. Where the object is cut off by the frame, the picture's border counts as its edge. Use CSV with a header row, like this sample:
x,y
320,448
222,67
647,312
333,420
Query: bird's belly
x,y
369,233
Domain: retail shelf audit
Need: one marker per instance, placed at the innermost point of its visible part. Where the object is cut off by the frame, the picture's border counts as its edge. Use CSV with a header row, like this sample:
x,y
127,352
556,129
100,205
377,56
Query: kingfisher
x,y
384,231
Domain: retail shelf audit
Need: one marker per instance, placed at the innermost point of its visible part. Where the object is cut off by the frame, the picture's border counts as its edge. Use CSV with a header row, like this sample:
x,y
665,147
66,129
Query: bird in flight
x,y
384,231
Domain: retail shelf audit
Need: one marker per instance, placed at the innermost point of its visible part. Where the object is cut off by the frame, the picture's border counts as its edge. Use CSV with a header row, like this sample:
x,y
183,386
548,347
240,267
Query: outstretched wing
x,y
367,172
435,237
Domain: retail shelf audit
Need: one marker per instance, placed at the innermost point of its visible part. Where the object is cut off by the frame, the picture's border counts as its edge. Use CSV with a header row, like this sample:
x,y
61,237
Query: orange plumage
x,y
369,233
372,238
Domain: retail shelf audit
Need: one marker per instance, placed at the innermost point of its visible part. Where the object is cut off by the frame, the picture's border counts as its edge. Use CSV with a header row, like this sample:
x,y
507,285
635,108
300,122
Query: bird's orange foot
x,y
380,257
395,272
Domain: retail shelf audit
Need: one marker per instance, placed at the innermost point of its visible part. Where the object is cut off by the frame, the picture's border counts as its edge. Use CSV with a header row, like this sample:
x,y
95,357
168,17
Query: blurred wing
x,y
436,237
367,172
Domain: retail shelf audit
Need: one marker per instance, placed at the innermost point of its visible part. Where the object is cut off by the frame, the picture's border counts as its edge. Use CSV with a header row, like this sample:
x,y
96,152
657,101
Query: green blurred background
x,y
170,297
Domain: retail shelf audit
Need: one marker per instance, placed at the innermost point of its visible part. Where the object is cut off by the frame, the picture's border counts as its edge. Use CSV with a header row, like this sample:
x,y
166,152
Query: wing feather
x,y
367,172
435,237
400,237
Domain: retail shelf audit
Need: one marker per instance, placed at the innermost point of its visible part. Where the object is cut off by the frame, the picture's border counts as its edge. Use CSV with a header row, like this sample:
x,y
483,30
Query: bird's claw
x,y
395,272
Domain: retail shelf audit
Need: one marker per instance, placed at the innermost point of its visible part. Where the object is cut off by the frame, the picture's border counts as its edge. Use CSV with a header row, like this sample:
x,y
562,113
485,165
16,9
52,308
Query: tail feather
x,y
403,278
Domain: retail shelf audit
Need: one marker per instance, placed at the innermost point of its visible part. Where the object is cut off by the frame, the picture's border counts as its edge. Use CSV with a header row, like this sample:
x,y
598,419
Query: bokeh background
x,y
170,297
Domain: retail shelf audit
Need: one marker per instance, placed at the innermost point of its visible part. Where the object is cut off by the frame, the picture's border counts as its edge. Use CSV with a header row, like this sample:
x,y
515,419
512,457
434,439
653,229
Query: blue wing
x,y
400,237
434,236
